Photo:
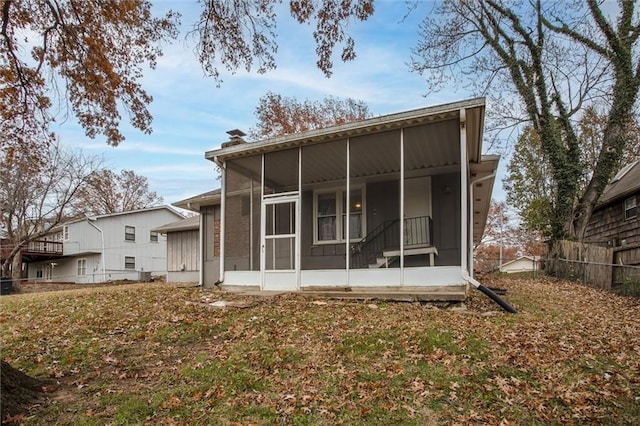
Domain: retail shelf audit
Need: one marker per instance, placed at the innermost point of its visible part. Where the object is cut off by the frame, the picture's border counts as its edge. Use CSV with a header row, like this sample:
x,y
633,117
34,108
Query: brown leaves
x,y
570,356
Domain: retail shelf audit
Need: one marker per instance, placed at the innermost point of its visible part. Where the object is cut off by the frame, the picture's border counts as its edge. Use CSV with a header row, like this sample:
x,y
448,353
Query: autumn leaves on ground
x,y
159,354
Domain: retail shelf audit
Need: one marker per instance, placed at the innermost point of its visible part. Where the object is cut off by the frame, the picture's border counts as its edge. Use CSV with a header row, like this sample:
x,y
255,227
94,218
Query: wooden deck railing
x,y
43,247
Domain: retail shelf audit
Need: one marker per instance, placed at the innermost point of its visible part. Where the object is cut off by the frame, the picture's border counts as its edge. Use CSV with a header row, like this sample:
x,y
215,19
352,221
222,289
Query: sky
x,y
192,114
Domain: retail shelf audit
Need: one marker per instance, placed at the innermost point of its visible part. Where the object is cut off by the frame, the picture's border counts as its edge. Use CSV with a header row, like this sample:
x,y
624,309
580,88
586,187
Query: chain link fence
x,y
617,278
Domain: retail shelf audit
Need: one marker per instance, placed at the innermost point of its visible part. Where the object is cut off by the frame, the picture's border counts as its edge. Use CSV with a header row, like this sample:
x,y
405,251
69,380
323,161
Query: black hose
x,y
507,307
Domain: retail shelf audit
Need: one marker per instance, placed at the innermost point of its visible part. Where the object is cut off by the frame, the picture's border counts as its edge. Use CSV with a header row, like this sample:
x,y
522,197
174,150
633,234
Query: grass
x,y
153,354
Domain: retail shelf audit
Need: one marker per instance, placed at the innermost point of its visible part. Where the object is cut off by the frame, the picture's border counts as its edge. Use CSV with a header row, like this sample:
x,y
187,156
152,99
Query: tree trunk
x,y
19,391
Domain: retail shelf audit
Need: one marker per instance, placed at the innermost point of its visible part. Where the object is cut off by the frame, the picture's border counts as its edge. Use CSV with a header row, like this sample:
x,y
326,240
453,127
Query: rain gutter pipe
x,y
488,292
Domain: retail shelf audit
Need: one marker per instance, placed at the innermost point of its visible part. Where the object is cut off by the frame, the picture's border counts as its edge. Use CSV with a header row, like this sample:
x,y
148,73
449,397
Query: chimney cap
x,y
236,133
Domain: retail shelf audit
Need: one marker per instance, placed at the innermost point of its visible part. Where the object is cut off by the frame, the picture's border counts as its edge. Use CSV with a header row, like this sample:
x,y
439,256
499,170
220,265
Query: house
x,y
615,221
521,264
101,248
322,209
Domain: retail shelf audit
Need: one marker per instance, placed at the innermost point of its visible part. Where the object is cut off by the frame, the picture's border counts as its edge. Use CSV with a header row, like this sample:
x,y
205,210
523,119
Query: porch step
x,y
396,293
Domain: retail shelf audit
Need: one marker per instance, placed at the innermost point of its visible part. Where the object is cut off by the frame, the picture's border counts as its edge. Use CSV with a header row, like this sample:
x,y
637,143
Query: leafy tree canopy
x,y
107,192
87,58
281,115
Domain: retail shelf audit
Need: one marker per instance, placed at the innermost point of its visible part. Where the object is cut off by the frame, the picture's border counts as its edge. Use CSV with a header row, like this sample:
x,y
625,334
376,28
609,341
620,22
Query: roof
x,y
531,258
625,183
101,216
188,224
210,198
474,115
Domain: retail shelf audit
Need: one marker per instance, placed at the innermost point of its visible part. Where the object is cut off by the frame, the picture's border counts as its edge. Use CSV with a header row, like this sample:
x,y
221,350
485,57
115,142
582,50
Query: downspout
x,y
473,182
465,274
102,260
487,291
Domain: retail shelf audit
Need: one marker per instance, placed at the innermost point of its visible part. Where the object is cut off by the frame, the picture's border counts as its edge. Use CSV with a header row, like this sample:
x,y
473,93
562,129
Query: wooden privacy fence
x,y
584,262
616,269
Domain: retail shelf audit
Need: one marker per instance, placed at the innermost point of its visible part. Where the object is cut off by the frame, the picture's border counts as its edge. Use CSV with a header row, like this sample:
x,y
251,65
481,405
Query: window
x,y
326,217
153,236
129,233
330,209
82,267
630,208
65,232
129,262
39,272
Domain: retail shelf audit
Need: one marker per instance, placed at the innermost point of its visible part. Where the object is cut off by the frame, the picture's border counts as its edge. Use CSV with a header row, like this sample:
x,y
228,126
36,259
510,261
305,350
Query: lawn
x,y
160,354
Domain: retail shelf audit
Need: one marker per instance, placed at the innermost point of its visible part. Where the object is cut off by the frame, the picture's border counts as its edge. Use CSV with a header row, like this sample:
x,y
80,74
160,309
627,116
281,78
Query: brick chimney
x,y
235,138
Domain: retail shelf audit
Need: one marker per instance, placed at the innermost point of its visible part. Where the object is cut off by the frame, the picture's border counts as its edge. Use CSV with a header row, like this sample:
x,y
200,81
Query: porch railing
x,y
386,236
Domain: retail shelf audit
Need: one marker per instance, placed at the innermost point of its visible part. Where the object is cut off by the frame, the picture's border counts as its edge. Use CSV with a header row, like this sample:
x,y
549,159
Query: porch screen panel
x,y
431,206
281,171
242,214
324,174
373,203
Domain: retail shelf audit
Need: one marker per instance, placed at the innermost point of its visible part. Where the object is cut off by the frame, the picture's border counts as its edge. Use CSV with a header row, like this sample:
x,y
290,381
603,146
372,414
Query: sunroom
x,y
392,202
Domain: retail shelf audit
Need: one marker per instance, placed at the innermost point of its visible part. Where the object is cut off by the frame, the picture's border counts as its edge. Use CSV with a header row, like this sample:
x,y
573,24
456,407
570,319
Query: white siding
x,y
85,241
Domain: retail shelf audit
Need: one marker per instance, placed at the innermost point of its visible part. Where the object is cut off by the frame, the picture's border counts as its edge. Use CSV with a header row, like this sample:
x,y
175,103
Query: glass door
x,y
280,256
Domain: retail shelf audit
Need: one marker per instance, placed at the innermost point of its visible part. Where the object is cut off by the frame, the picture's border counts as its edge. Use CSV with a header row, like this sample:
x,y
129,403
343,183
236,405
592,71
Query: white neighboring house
x,y
521,264
109,247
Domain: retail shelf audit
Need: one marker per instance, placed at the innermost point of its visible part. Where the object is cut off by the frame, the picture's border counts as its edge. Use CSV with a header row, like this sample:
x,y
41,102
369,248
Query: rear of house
x,y
392,202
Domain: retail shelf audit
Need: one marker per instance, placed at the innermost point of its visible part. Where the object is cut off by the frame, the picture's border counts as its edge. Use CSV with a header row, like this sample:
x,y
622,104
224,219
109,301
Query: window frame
x,y
130,236
131,264
153,234
65,233
340,197
83,268
630,204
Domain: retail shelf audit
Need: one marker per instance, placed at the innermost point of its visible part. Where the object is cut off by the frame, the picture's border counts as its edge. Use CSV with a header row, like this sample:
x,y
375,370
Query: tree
x,y
281,115
35,191
528,182
87,58
107,192
504,239
543,63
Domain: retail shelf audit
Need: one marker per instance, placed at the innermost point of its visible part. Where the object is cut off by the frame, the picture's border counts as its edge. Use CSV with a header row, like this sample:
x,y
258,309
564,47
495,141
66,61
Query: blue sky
x,y
192,115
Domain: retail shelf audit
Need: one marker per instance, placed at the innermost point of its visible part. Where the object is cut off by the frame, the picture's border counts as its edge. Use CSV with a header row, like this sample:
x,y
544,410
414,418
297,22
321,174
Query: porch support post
x,y
347,251
402,206
251,229
464,195
201,234
223,216
298,230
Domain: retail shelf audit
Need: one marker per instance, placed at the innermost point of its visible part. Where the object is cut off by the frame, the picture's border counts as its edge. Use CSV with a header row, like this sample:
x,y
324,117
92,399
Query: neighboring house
x,y
101,248
615,221
321,209
521,264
